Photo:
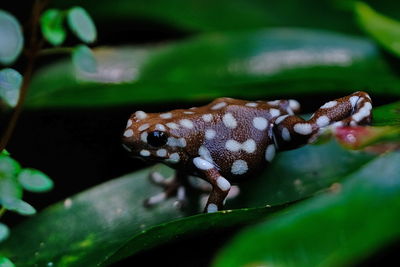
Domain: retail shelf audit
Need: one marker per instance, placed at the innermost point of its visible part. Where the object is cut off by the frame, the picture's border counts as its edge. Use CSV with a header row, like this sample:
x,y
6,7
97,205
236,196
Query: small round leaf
x,y
5,262
34,180
11,41
84,60
4,232
10,84
82,24
19,206
51,23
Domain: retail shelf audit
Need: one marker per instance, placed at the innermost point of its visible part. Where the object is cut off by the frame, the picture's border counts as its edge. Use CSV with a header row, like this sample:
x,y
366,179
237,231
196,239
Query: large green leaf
x,y
249,64
108,221
83,229
383,29
335,229
209,15
387,114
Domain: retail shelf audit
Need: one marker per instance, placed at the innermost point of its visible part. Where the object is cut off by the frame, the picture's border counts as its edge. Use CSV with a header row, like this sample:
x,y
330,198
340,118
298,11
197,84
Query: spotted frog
x,y
230,140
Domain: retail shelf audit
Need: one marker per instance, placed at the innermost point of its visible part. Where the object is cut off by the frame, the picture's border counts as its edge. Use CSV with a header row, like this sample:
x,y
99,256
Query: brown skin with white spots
x,y
230,140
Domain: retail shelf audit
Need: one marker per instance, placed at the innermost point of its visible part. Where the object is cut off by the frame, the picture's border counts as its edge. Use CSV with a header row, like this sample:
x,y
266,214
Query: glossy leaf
x,y
383,29
84,60
10,85
4,232
81,24
343,224
4,262
51,23
12,40
34,180
116,225
97,221
254,64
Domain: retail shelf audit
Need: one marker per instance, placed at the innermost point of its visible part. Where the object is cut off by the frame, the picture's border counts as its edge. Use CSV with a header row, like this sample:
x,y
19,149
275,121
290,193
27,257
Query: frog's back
x,y
234,135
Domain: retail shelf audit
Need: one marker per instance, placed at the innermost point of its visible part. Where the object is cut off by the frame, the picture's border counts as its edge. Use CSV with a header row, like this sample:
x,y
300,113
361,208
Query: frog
x,y
230,140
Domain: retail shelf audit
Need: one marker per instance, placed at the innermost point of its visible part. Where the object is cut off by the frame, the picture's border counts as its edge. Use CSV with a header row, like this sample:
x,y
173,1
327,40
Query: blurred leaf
x,y
384,30
209,15
12,40
4,262
337,222
9,187
387,115
35,180
82,24
360,137
84,60
18,205
254,64
10,84
52,26
4,232
109,221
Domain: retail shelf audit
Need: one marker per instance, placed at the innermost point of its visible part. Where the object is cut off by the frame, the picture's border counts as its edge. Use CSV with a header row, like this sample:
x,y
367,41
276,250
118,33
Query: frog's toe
x,y
154,200
158,179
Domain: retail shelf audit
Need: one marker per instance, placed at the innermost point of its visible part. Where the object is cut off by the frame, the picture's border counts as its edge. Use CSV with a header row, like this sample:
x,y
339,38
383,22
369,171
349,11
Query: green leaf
x,y
222,15
334,229
9,186
10,85
51,23
384,30
35,180
97,221
12,40
82,24
109,222
387,114
4,232
84,60
4,262
253,64
18,205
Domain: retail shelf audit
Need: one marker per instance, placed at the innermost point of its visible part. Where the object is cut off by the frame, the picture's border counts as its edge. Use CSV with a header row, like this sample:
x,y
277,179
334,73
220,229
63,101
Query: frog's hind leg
x,y
292,131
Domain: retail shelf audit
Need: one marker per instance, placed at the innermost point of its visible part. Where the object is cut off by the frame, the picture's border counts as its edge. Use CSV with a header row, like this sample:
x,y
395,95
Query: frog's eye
x,y
157,138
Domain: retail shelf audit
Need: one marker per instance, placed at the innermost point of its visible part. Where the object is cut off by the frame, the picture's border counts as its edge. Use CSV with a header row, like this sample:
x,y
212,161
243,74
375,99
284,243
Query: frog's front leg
x,y
292,131
173,186
220,185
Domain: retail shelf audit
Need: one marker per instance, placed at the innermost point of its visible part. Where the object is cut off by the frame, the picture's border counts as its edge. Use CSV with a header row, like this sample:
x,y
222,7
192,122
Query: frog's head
x,y
155,137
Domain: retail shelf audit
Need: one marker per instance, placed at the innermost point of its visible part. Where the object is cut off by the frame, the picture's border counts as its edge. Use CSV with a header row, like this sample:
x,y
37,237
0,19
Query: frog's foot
x,y
173,187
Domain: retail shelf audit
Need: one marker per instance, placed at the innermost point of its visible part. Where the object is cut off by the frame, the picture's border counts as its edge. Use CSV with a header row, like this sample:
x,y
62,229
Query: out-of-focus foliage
x,y
11,41
254,64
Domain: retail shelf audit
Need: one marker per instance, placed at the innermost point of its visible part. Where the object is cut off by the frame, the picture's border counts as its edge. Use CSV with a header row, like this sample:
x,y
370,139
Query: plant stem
x,y
2,211
55,50
34,48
